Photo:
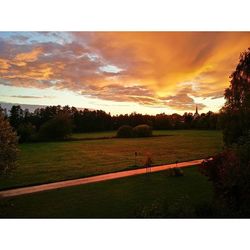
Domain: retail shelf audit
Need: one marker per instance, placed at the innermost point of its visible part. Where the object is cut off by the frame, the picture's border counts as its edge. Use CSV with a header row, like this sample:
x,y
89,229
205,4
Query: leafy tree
x,y
8,146
58,128
161,121
236,112
188,119
230,170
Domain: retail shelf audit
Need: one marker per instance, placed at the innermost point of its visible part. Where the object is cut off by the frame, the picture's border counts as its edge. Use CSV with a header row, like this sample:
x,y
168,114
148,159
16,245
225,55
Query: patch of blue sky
x,y
37,37
110,69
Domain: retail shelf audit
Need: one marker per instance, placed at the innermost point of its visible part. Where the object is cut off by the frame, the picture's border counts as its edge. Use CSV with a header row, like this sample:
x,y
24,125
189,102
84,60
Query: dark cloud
x,y
182,101
119,93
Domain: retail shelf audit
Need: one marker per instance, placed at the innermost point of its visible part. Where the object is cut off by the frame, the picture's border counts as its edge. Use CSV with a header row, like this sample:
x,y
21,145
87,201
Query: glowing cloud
x,y
153,69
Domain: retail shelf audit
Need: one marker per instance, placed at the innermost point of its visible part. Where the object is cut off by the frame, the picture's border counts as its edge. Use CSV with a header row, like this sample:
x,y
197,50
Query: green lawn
x,y
47,162
94,135
121,198
110,134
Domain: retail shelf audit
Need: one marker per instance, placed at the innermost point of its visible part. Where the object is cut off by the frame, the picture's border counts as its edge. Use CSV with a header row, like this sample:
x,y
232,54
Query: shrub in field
x,y
125,131
229,172
142,131
58,128
25,132
8,146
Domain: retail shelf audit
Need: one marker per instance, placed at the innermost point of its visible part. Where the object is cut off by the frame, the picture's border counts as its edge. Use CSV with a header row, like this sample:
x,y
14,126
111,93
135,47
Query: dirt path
x,y
97,178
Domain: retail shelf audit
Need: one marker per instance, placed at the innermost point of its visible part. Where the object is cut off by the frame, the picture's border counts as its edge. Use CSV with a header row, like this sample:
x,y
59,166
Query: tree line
x,y
56,122
98,120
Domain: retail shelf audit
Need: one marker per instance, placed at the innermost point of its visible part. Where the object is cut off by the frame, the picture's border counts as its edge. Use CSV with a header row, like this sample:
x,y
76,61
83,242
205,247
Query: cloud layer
x,y
158,69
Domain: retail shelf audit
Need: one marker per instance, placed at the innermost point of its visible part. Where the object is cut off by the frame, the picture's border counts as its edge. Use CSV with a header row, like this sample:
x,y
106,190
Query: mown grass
x,y
54,161
110,134
94,135
121,198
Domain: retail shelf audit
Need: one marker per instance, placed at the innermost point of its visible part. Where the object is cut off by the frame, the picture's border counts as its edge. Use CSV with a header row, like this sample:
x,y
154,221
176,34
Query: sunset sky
x,y
119,72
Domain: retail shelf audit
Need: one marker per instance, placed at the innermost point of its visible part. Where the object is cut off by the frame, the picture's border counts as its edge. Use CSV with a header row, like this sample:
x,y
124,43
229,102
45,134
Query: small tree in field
x,y
8,146
125,131
142,131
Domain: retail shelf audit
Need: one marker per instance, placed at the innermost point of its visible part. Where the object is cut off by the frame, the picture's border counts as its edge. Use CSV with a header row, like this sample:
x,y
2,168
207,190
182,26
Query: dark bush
x,y
58,128
229,172
125,131
142,131
25,132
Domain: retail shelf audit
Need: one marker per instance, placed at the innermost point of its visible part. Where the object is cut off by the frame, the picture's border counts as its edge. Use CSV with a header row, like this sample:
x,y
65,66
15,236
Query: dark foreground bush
x,y
180,208
142,131
58,128
229,172
125,132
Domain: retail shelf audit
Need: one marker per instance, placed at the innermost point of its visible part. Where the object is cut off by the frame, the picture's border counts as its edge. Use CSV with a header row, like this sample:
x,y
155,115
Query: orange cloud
x,y
4,66
150,68
166,59
23,58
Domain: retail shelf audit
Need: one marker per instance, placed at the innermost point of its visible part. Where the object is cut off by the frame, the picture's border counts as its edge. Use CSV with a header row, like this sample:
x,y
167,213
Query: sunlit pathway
x,y
97,178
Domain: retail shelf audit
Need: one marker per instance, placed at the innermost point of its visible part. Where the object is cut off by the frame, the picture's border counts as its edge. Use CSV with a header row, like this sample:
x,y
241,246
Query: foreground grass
x,y
54,161
121,198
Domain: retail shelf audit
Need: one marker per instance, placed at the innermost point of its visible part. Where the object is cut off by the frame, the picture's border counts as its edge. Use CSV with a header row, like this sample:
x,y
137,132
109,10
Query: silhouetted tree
x,y
188,119
16,116
236,112
162,121
230,170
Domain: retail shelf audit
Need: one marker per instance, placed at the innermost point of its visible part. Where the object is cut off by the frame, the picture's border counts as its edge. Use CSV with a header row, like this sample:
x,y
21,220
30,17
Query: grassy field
x,y
94,135
110,134
53,161
121,198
